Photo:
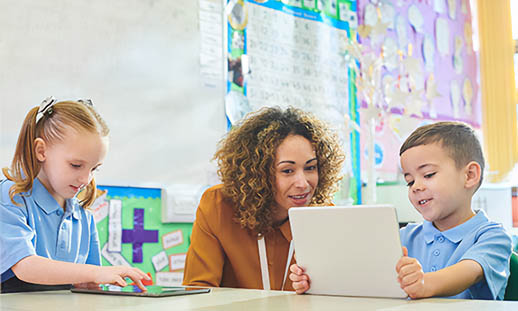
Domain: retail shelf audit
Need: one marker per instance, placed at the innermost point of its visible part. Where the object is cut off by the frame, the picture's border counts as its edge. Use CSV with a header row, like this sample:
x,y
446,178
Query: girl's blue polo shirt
x,y
39,226
478,239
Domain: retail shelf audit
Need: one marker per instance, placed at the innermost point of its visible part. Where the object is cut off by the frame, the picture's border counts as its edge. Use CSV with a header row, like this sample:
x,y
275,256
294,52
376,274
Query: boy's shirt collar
x,y
455,234
48,204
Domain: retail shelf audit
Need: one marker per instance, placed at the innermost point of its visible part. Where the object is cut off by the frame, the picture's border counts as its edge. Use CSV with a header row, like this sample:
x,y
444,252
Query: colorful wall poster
x,y
428,69
131,232
289,53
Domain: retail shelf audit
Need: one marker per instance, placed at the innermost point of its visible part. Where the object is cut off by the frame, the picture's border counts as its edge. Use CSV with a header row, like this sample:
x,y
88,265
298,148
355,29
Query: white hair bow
x,y
45,107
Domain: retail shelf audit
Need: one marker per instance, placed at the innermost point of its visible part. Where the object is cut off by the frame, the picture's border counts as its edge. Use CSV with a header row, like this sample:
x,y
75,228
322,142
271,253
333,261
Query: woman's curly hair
x,y
246,162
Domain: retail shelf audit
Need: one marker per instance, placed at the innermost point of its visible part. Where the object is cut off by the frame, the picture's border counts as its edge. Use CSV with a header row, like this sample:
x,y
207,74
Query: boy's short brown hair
x,y
457,138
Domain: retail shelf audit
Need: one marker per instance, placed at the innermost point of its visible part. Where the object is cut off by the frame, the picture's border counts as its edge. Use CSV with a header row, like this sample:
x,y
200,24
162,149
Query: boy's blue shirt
x,y
39,226
478,239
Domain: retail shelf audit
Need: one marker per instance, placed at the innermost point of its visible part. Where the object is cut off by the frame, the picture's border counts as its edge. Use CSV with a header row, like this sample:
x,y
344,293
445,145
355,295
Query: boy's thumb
x,y
405,251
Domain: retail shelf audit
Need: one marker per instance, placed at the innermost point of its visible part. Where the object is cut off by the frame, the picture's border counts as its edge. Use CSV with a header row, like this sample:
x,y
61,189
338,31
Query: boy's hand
x,y
115,275
411,276
299,278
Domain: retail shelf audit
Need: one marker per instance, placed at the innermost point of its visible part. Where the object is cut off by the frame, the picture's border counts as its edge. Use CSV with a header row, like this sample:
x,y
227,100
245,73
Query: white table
x,y
234,299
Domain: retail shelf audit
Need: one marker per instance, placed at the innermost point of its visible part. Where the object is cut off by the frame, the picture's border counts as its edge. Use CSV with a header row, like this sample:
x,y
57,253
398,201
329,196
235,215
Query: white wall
x,y
138,60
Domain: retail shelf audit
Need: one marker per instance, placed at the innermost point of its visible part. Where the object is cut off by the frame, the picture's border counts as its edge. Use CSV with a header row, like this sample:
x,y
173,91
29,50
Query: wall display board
x,y
131,233
428,70
289,53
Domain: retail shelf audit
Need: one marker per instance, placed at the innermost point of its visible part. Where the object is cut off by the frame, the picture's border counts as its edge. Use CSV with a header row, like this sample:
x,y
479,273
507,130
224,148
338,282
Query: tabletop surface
x,y
234,299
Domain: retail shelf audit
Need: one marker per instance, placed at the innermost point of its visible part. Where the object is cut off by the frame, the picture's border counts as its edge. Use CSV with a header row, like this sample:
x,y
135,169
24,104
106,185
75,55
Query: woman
x,y
273,160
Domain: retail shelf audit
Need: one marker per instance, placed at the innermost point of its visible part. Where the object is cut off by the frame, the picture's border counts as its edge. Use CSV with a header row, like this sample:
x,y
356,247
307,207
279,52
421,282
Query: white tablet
x,y
348,251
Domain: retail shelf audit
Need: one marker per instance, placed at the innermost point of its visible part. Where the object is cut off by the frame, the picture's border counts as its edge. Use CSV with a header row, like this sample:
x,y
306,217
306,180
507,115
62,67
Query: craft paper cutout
x,y
467,95
428,53
438,6
115,226
390,56
401,31
455,98
458,63
370,15
415,18
138,235
388,14
452,9
442,36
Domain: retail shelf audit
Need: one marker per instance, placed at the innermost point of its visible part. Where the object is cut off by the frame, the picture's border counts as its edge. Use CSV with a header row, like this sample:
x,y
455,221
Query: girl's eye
x,y
429,175
287,171
76,165
410,183
311,168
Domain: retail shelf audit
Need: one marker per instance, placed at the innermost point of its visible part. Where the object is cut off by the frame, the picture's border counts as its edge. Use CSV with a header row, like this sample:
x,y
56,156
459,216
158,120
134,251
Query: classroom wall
x,y
138,60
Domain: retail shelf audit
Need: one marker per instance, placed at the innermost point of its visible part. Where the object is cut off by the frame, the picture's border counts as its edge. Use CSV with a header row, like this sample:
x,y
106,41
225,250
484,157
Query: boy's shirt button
x,y
436,252
433,269
59,212
440,239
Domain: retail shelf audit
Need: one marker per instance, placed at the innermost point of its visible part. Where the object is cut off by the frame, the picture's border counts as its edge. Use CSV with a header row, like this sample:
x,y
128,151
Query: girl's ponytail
x,y
25,167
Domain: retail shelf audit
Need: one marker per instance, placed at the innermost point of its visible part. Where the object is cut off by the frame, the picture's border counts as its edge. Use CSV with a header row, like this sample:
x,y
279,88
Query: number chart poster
x,y
131,233
290,53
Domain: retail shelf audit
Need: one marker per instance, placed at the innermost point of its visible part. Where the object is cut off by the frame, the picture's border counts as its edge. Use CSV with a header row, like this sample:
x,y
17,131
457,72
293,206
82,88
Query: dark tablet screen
x,y
152,291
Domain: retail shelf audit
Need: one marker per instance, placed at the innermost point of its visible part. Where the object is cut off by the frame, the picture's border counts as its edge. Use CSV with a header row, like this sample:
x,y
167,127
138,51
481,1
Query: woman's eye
x,y
429,175
287,171
76,165
311,168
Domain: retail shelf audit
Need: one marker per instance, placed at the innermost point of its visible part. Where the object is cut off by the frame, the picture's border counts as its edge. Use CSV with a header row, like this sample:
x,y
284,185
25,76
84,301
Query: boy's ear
x,y
473,172
39,149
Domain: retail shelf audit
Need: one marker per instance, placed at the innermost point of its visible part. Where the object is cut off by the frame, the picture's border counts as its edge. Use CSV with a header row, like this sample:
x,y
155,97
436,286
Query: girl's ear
x,y
39,149
473,172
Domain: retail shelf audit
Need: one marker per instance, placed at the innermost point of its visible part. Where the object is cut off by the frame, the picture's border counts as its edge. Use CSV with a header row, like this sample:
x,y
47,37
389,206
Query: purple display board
x,y
429,67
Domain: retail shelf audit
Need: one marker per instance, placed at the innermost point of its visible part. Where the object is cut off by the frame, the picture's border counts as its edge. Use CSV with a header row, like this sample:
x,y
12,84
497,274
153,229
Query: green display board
x,y
129,221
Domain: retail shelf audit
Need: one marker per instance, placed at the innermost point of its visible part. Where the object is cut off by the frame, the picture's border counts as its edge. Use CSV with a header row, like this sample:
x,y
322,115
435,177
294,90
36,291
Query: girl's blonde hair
x,y
78,115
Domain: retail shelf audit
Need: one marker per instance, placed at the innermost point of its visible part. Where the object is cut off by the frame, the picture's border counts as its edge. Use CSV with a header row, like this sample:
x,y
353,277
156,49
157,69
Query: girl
x,y
46,235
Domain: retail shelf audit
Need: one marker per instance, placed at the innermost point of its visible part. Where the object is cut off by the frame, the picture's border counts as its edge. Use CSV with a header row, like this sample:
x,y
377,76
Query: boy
x,y
454,252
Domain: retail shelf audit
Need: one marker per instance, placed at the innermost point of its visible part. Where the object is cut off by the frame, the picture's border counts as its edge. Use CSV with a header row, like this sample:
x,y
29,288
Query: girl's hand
x,y
299,278
115,275
411,276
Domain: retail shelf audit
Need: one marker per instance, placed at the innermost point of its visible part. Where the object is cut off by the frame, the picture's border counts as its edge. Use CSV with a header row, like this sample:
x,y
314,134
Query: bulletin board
x,y
289,53
131,233
429,70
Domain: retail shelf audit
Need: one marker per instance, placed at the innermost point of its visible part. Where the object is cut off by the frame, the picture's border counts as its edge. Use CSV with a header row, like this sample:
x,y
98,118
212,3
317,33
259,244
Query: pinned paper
x,y
442,36
172,239
467,94
114,258
438,6
100,207
348,16
177,261
455,97
401,31
429,53
115,226
160,261
169,278
452,8
415,18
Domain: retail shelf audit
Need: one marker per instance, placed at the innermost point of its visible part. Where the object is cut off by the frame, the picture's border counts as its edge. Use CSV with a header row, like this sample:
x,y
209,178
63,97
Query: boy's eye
x,y
410,183
429,175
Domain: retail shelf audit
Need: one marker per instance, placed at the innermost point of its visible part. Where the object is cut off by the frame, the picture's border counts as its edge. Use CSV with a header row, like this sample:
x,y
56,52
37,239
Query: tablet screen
x,y
152,291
